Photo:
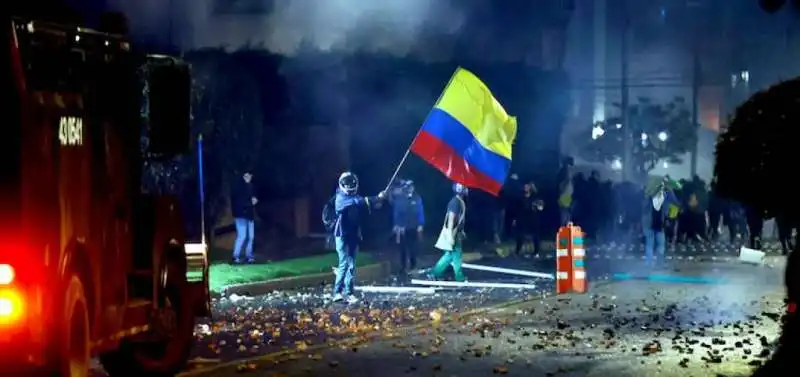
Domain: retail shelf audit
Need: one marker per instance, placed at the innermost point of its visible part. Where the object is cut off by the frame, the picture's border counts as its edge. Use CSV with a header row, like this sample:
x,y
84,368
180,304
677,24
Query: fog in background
x,y
391,26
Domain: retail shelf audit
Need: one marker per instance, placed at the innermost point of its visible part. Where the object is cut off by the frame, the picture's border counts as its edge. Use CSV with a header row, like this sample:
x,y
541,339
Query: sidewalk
x,y
257,279
223,275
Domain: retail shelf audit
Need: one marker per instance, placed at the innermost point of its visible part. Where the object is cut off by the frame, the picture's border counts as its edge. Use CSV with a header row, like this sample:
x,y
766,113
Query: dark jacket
x,y
241,200
647,209
349,209
408,212
525,212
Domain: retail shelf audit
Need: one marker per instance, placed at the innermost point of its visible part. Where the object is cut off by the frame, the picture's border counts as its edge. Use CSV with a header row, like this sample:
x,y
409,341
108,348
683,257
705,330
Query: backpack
x,y
329,215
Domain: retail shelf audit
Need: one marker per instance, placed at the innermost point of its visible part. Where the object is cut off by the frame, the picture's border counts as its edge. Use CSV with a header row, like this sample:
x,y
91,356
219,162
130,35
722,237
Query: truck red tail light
x,y
7,274
11,301
10,307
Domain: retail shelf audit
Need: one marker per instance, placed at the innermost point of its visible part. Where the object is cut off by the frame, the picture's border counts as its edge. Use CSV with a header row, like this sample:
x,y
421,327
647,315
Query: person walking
x,y
243,203
408,215
526,218
452,236
654,223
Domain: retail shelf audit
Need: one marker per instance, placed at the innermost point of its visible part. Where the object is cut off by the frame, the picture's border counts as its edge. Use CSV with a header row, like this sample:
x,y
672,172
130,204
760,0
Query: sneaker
x,y
431,277
251,261
352,299
338,297
236,261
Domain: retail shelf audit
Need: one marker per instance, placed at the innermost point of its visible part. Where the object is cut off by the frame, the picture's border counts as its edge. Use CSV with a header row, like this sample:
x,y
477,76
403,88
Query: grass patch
x,y
223,274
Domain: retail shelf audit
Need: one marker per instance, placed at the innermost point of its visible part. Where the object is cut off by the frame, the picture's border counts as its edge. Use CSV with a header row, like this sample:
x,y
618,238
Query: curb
x,y
370,272
731,258
291,353
364,273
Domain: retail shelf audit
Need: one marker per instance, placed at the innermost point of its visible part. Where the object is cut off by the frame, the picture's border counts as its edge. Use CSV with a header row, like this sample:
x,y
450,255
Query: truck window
x,y
51,66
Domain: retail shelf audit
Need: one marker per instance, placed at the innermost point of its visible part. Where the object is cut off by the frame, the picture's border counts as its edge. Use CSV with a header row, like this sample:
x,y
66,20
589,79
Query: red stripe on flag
x,y
445,159
791,308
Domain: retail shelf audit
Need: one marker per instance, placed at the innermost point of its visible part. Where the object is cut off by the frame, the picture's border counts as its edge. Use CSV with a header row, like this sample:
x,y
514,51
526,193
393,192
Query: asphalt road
x,y
293,321
629,328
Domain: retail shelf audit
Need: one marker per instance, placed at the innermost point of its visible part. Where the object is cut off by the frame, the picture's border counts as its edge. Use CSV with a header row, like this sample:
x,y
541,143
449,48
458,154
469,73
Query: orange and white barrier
x,y
570,265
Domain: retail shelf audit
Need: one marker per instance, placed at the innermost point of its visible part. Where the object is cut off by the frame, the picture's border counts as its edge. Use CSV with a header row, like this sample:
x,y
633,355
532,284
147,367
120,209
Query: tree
x,y
660,133
756,155
755,161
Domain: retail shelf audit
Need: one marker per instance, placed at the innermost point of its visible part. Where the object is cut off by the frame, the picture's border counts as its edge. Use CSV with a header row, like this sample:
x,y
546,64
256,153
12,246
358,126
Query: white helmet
x,y
348,183
460,189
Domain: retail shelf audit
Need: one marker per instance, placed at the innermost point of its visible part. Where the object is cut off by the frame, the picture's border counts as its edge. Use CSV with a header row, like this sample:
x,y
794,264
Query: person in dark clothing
x,y
716,210
243,203
755,224
526,217
654,221
607,211
566,191
408,216
591,205
347,233
785,224
505,203
732,219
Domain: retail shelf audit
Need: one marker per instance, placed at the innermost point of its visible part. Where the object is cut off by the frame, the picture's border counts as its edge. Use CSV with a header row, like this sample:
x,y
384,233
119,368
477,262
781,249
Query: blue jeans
x,y
244,234
653,239
346,249
498,225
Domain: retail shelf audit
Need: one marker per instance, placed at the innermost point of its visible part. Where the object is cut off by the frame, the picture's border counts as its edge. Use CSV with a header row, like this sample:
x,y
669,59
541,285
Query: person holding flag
x,y
348,206
468,136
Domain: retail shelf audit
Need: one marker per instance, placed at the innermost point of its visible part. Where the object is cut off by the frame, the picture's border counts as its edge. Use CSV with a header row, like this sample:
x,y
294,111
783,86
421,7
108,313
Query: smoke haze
x,y
283,26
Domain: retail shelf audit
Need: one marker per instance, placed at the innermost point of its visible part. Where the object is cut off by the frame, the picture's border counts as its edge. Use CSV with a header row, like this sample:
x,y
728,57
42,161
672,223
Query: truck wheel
x,y
168,355
74,348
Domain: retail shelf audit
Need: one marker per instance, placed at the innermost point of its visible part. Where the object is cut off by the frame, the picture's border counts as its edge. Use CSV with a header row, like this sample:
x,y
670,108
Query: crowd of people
x,y
659,214
689,212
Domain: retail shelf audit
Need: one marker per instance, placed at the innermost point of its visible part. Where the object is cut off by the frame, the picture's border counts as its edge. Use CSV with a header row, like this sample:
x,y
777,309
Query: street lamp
x,y
663,136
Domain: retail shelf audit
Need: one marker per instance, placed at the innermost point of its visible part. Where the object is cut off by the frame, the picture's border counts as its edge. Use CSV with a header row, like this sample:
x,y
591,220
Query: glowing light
x,y
509,271
618,125
386,289
10,307
644,136
663,136
616,164
597,132
6,307
6,274
665,164
470,284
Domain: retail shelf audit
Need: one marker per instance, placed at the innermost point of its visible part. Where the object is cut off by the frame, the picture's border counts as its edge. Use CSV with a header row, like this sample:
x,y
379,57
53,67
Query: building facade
x,y
737,49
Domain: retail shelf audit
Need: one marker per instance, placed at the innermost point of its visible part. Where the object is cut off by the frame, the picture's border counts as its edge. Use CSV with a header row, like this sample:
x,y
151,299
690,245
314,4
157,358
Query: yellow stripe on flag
x,y
467,99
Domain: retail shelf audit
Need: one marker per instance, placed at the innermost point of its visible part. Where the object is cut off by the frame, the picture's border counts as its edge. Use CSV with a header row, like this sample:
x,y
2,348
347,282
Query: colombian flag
x,y
468,135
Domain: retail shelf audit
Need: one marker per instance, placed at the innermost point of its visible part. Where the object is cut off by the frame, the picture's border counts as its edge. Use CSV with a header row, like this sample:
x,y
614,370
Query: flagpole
x,y
408,150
